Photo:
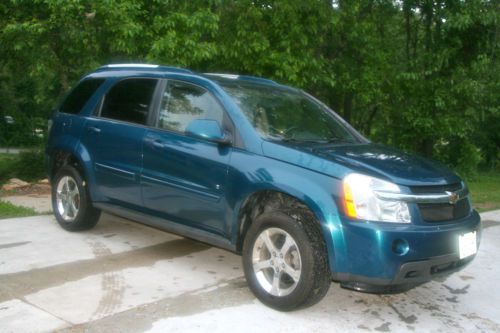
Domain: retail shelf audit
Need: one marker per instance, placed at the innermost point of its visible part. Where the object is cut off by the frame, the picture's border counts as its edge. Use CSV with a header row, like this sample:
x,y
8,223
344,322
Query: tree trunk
x,y
427,146
347,107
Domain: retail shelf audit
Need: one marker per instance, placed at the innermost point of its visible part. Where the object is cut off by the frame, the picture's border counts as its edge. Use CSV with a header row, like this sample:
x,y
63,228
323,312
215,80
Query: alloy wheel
x,y
276,261
67,198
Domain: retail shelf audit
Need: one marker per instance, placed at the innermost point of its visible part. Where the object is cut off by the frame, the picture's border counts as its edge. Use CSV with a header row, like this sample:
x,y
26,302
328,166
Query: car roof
x,y
134,69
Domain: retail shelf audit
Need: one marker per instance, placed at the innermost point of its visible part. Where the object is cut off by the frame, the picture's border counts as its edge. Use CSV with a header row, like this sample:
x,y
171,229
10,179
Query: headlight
x,y
361,202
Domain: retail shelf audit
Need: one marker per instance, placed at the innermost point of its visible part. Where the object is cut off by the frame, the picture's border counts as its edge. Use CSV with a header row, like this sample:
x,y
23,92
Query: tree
x,y
422,75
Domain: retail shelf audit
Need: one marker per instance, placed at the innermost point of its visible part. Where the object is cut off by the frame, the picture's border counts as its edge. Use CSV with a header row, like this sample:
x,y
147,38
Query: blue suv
x,y
261,169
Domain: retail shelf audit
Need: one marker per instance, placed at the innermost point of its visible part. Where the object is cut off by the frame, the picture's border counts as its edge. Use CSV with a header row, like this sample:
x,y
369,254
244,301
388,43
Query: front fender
x,y
250,173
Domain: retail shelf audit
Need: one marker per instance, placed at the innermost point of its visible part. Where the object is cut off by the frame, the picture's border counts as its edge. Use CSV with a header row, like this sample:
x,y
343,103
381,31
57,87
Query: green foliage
x,y
24,132
418,74
484,190
7,166
8,210
462,154
28,166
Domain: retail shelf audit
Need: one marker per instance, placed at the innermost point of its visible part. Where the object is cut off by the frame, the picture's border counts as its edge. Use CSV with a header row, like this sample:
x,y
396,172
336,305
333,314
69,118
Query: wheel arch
x,y
61,158
264,200
77,157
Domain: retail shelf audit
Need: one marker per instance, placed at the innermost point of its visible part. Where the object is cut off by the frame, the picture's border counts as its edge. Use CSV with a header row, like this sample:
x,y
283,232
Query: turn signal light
x,y
350,209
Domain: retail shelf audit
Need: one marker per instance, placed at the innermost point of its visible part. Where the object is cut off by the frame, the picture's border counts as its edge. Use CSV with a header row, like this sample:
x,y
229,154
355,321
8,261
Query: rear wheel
x,y
285,260
71,202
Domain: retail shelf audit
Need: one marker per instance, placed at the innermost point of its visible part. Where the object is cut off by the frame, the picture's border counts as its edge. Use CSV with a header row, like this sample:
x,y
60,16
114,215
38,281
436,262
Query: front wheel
x,y
285,260
71,202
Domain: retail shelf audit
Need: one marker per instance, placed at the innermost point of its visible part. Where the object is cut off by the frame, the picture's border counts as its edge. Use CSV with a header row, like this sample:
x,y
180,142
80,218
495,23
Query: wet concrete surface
x,y
125,277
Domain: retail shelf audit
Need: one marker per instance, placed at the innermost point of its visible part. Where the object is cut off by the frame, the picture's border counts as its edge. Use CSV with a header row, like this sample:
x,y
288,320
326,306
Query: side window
x,y
77,98
183,103
129,100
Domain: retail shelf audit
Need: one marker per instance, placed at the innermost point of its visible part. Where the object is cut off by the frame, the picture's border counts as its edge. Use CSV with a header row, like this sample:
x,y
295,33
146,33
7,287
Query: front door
x,y
184,178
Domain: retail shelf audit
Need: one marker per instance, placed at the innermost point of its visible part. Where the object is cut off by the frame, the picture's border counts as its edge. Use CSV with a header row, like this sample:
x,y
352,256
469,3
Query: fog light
x,y
400,247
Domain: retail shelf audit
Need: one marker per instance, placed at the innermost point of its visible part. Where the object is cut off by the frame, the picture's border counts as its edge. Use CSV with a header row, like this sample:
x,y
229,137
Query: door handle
x,y
94,129
158,144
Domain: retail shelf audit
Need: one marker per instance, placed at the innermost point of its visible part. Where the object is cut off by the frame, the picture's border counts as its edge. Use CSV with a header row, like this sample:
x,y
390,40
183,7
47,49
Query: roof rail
x,y
243,77
143,67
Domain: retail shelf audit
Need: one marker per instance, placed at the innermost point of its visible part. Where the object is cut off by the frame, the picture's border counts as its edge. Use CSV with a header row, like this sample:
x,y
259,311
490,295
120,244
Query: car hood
x,y
373,159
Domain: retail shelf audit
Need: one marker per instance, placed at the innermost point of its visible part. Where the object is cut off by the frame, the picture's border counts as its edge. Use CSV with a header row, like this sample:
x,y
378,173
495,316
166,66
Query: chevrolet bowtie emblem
x,y
452,197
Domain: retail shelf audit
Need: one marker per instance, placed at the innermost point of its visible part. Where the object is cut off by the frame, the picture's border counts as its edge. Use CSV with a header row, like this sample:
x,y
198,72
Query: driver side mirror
x,y
209,130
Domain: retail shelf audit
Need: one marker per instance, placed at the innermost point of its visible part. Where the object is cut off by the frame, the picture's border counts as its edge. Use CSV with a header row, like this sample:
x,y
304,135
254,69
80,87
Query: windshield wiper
x,y
338,140
303,140
311,141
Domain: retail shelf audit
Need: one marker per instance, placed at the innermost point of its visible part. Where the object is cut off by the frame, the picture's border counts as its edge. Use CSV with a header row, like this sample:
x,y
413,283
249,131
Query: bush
x,y
28,166
7,166
463,157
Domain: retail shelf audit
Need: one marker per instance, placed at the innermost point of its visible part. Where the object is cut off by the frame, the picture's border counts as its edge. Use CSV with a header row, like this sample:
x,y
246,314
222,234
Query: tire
x,y
71,201
307,255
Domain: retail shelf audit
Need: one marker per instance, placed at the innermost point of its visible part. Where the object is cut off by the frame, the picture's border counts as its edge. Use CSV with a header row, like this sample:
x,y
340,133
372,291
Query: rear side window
x,y
183,103
129,100
77,98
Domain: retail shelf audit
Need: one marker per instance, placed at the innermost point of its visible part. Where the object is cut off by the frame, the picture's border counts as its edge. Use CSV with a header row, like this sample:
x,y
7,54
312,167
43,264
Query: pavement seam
x,y
68,323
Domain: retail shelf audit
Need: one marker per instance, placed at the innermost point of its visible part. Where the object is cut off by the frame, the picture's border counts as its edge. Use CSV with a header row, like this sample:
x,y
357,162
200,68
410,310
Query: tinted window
x,y
129,100
183,103
75,101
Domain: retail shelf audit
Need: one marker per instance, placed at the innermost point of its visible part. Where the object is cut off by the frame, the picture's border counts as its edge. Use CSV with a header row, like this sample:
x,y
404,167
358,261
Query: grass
x,y
485,191
8,210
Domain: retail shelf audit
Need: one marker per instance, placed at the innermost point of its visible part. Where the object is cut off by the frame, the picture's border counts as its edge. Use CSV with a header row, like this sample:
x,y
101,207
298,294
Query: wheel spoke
x,y
289,243
66,184
71,211
74,191
66,207
260,265
293,273
275,290
267,240
74,210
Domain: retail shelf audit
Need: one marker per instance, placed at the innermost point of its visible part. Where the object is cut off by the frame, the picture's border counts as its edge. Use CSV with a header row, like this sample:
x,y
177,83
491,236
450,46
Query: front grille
x,y
442,212
435,188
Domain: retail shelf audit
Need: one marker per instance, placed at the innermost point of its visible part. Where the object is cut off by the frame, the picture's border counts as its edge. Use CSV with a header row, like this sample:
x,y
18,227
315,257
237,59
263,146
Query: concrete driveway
x,y
125,277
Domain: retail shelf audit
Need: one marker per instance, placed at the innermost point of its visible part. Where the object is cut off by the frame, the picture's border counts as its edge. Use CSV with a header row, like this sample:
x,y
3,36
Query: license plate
x,y
467,244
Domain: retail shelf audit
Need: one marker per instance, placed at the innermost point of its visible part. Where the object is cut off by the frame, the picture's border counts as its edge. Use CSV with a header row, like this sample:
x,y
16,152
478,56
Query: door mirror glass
x,y
207,129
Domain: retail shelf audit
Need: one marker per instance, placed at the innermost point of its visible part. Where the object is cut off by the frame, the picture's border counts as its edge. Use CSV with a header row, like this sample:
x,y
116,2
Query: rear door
x,y
114,138
184,178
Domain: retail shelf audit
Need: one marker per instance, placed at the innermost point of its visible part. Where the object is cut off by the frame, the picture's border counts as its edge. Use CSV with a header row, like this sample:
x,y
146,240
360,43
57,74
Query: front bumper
x,y
370,263
410,274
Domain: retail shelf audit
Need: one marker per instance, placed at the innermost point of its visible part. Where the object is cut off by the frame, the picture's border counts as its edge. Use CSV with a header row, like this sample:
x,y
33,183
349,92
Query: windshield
x,y
287,115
